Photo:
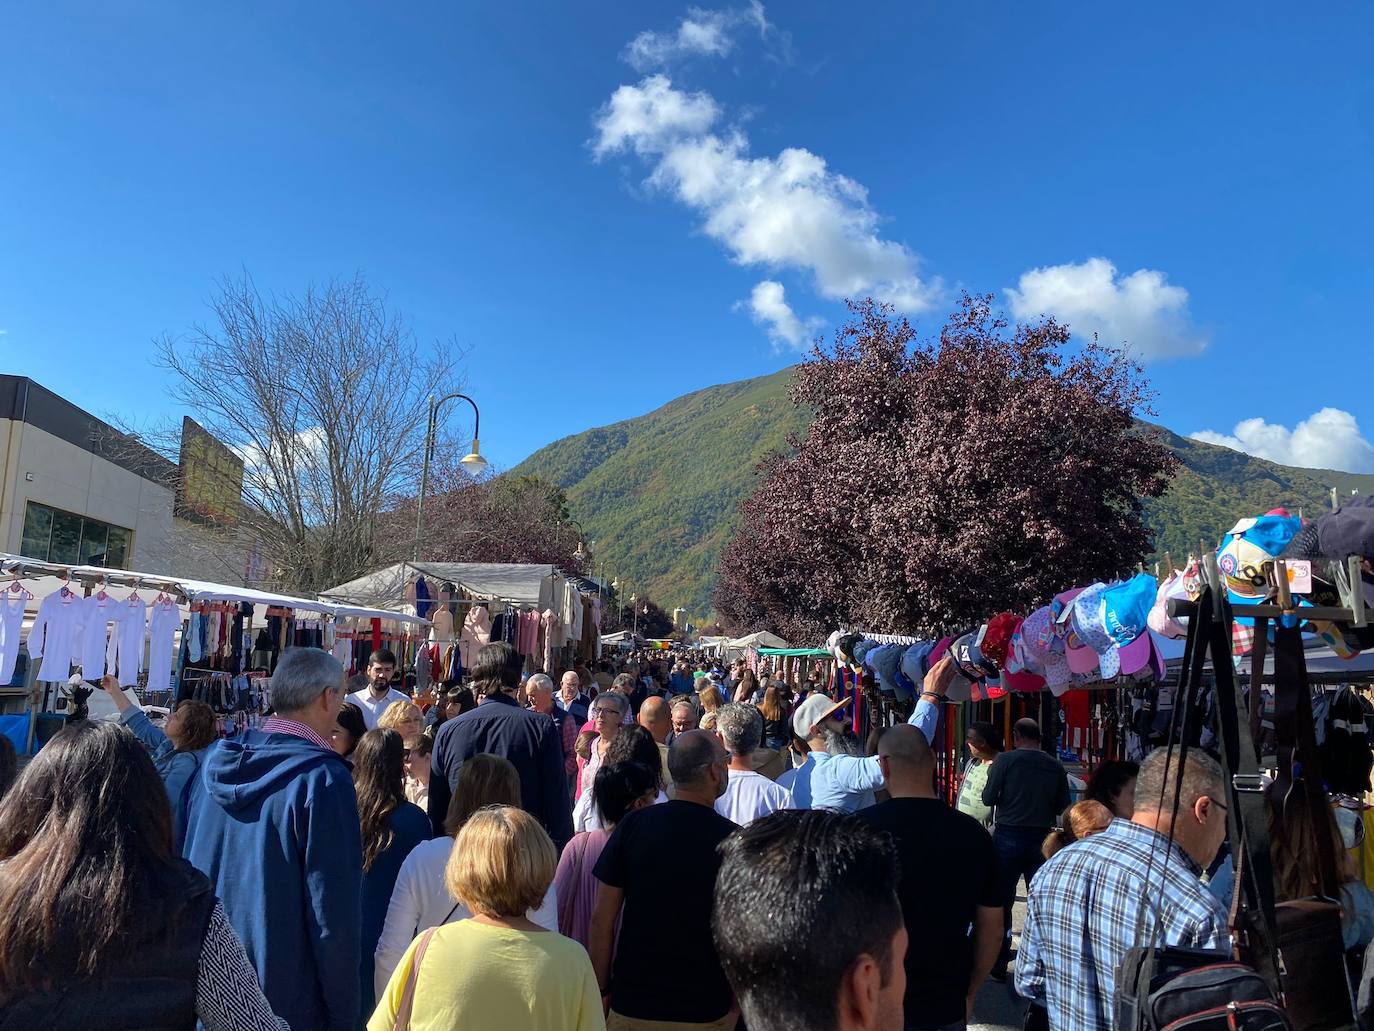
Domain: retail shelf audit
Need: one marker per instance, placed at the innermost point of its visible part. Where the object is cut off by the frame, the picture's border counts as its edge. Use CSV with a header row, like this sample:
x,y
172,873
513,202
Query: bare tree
x,y
324,396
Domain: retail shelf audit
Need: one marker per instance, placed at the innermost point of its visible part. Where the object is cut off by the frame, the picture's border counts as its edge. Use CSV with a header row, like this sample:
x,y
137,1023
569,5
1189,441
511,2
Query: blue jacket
x,y
273,822
409,826
176,768
530,740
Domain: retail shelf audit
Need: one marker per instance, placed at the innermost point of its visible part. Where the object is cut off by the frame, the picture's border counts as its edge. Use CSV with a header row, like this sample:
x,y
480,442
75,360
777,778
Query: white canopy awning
x,y
47,577
517,583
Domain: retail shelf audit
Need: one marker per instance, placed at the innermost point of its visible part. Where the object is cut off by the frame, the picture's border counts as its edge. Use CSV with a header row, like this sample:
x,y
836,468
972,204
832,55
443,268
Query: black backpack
x,y
1173,989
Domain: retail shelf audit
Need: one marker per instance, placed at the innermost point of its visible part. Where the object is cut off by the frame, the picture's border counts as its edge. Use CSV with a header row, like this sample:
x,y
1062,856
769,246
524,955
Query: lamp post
x,y
473,461
581,553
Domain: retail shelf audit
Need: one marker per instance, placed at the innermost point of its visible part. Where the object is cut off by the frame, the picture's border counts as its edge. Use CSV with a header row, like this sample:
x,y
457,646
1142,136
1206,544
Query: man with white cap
x,y
834,775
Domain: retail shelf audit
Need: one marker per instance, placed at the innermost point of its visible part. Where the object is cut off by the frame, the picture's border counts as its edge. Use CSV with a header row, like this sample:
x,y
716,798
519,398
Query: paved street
x,y
998,1009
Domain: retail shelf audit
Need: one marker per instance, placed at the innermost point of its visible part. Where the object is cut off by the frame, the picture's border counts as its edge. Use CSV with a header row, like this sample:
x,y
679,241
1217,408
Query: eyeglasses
x,y
1220,805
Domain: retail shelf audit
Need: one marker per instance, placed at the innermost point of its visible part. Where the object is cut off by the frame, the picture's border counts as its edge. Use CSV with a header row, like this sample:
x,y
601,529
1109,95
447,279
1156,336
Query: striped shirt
x,y
1091,902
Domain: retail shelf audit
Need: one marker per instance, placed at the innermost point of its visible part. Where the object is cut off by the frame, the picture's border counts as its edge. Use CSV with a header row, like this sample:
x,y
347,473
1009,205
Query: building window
x,y
51,535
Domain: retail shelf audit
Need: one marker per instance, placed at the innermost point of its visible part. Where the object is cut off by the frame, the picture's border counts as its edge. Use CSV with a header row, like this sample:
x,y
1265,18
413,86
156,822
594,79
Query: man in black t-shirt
x,y
664,933
1028,788
948,885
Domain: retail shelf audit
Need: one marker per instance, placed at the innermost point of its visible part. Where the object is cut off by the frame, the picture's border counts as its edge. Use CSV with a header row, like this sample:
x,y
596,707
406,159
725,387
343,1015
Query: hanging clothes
x,y
95,640
422,602
552,640
571,613
11,627
55,636
476,634
124,657
527,639
162,627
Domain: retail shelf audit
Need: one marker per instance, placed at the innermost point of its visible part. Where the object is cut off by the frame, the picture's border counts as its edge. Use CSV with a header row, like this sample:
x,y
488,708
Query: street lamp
x,y
473,461
581,553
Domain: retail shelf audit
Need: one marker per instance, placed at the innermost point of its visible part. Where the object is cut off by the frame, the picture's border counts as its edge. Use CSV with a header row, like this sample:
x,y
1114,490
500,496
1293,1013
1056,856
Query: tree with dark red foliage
x,y
498,519
941,482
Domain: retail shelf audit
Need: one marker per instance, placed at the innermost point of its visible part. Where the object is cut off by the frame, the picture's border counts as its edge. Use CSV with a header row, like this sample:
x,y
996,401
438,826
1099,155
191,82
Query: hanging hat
x,y
884,660
913,666
1113,624
992,673
1178,585
1085,609
997,639
1247,553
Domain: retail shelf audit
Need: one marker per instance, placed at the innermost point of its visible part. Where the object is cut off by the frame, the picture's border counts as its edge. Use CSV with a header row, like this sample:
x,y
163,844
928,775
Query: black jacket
x,y
529,739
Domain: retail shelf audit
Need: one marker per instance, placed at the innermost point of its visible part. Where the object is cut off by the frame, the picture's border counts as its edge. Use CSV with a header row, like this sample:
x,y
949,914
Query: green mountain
x,y
658,494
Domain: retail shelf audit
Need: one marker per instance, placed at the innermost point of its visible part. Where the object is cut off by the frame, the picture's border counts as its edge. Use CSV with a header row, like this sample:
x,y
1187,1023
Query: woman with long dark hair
x,y
102,924
620,788
748,687
391,827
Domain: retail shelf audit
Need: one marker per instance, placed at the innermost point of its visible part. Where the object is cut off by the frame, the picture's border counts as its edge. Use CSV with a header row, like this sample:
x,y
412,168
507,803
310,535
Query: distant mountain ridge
x,y
659,493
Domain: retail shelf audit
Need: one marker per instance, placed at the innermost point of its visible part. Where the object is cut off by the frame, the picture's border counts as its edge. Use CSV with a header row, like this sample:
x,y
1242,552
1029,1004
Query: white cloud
x,y
1141,313
788,211
1328,439
700,33
652,117
768,307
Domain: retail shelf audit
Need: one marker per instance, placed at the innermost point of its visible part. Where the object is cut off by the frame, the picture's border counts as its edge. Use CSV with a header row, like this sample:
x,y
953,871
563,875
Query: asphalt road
x,y
998,1008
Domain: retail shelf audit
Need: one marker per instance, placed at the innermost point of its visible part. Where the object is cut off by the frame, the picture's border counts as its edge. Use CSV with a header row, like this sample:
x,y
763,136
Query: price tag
x,y
1299,576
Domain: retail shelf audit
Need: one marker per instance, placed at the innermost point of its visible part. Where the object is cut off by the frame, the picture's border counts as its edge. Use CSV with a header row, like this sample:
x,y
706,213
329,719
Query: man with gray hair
x,y
571,699
1136,883
748,795
273,822
628,685
539,695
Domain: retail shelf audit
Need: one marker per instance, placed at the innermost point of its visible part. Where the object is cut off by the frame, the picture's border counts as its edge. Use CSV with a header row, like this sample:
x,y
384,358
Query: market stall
x,y
553,620
163,637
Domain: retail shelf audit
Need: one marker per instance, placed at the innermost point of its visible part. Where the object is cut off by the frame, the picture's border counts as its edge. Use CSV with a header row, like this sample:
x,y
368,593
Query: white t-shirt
x,y
372,710
750,795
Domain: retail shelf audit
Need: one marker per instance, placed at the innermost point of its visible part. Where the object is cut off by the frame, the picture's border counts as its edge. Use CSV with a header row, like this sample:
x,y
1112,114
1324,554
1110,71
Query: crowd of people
x,y
656,847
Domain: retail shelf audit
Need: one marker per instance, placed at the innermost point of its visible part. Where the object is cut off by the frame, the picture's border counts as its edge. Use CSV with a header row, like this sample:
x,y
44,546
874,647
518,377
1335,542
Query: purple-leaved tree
x,y
941,482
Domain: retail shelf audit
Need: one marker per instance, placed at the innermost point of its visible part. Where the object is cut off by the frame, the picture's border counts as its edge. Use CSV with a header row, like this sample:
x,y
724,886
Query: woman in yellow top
x,y
497,970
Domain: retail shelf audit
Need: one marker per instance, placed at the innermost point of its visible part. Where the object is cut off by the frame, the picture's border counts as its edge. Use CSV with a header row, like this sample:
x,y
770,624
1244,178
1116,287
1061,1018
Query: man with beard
x,y
836,775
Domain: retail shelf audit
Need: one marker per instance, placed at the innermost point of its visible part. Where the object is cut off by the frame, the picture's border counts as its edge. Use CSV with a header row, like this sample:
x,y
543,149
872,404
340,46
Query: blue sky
x,y
609,223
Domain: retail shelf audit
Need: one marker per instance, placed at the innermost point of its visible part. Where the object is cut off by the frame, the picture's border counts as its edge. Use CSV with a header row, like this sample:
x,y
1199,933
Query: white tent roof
x,y
46,577
519,583
758,639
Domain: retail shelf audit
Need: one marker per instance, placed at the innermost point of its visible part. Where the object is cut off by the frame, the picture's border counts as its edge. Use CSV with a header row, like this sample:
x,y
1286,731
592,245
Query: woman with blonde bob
x,y
403,717
497,969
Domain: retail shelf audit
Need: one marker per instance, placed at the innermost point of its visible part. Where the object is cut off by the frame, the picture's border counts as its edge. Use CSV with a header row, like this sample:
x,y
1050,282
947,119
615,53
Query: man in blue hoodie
x,y
273,822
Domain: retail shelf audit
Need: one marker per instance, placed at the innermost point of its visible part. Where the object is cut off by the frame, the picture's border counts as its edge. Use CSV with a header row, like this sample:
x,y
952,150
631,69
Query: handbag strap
x,y
403,1011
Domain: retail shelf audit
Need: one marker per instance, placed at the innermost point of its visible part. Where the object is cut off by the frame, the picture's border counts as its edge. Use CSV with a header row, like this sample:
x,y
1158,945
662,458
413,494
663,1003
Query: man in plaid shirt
x,y
1137,880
